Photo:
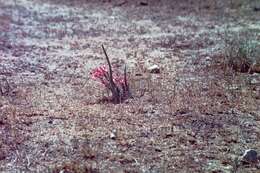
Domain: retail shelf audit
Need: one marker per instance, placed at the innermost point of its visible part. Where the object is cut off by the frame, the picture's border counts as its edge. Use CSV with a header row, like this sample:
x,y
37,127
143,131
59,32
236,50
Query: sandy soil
x,y
194,116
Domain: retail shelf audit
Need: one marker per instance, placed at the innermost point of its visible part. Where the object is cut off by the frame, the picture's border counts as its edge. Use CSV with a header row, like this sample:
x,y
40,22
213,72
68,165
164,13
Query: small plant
x,y
4,87
239,51
114,81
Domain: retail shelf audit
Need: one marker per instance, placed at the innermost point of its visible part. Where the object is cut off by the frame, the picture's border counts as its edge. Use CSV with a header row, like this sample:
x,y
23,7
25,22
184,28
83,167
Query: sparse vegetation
x,y
240,50
114,81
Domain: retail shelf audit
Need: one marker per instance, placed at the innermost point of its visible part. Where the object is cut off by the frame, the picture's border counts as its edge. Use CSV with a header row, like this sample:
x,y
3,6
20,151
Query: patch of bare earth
x,y
196,115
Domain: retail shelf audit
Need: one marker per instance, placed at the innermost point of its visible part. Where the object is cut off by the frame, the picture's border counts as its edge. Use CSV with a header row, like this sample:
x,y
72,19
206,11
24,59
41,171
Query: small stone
x,y
208,58
154,69
249,156
158,149
113,134
254,81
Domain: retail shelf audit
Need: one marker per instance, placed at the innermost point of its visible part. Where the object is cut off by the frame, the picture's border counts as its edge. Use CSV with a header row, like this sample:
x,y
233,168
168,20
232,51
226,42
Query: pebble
x,y
208,58
249,156
113,134
254,81
154,69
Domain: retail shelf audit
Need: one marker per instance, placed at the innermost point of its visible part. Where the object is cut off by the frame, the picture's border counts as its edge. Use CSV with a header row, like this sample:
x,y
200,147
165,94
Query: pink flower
x,y
99,72
119,87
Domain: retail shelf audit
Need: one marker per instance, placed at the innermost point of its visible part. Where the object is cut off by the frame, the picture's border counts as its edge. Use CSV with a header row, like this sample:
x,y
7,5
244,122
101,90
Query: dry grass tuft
x,y
240,51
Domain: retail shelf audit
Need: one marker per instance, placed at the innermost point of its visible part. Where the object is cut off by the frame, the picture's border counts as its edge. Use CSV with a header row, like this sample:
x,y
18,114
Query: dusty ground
x,y
196,115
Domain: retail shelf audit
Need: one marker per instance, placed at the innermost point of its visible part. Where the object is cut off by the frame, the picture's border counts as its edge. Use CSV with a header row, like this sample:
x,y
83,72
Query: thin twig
x,y
109,65
125,78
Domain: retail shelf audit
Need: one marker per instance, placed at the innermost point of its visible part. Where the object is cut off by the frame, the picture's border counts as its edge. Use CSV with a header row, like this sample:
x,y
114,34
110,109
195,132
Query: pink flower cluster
x,y
101,73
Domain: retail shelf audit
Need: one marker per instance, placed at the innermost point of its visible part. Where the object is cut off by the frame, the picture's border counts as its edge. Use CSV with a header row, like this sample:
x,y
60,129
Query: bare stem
x,y
109,65
113,87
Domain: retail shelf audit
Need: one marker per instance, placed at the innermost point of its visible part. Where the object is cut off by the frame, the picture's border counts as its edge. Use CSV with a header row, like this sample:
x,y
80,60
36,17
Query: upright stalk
x,y
114,89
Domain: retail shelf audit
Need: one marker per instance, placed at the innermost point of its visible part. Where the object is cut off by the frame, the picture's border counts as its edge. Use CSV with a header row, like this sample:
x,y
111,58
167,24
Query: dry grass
x,y
241,50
